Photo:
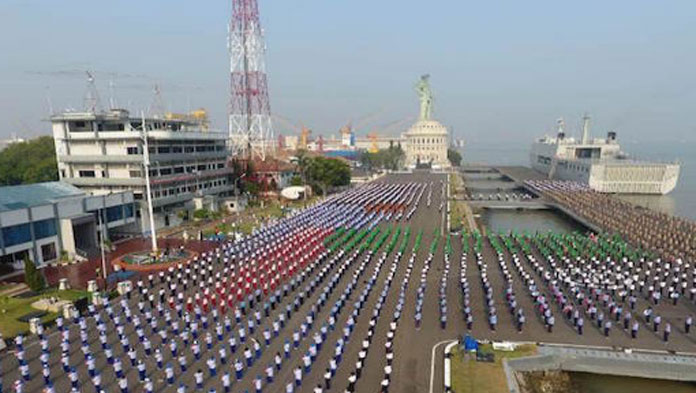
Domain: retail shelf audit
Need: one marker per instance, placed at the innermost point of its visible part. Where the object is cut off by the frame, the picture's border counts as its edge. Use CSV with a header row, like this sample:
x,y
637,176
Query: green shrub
x,y
33,277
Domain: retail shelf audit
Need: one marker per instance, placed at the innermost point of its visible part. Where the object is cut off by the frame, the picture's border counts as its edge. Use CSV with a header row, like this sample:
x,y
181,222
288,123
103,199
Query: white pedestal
x,y
124,287
92,286
63,284
69,311
34,325
96,298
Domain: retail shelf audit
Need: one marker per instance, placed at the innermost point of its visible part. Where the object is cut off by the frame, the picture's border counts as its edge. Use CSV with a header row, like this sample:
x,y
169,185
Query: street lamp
x,y
236,181
101,242
146,165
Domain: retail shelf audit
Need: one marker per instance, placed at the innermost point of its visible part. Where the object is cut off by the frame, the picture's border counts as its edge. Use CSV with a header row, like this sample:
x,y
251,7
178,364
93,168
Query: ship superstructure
x,y
600,163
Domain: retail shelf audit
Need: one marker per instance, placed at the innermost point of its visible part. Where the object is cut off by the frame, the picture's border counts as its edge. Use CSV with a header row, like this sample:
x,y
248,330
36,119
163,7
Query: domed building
x,y
426,143
427,140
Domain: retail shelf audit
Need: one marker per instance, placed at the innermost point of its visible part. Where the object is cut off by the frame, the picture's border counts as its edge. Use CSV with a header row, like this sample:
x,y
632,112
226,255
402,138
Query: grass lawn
x,y
457,212
470,376
13,308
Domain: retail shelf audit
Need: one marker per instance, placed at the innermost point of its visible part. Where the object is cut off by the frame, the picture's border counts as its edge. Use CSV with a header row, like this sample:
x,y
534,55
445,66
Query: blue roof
x,y
28,195
347,154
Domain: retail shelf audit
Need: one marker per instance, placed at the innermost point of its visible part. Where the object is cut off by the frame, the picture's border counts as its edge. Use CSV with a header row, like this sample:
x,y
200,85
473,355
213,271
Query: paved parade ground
x,y
354,297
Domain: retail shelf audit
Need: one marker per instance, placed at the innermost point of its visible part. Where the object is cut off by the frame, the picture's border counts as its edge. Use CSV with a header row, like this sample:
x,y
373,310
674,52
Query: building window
x,y
48,252
133,150
80,126
110,127
86,174
165,171
16,234
179,169
163,150
45,228
129,210
135,174
114,213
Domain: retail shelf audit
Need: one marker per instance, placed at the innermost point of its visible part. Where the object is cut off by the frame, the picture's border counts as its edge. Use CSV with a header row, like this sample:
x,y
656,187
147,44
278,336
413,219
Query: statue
x,y
426,97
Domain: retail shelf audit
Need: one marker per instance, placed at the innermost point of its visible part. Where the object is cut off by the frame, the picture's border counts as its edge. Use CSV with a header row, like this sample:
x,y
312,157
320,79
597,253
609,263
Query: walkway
x,y
79,274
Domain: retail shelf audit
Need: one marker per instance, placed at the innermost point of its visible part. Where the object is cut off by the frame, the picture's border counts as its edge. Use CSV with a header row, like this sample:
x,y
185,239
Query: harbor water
x,y
530,221
602,383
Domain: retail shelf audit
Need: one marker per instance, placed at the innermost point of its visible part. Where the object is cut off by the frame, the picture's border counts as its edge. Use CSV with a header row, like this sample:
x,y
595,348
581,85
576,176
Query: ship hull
x,y
614,176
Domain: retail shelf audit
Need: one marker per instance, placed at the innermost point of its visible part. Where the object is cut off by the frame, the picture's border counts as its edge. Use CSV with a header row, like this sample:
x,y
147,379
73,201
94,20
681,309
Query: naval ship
x,y
600,163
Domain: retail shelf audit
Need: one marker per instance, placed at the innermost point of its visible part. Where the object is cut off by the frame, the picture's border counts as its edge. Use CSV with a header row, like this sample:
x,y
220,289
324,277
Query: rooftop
x,y
29,195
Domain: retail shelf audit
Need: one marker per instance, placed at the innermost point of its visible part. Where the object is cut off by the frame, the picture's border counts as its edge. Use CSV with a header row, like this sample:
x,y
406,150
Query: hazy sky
x,y
499,69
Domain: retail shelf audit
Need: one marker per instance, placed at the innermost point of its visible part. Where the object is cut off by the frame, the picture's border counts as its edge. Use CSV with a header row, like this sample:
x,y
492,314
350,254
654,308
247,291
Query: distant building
x,y
426,143
102,153
5,143
40,221
273,172
427,140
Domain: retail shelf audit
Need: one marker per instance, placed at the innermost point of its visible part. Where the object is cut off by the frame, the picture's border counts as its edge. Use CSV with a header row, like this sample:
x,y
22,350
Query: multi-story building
x,y
41,221
103,153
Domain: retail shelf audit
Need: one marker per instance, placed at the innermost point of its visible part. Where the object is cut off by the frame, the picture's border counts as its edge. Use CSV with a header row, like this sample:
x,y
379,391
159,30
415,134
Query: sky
x,y
501,71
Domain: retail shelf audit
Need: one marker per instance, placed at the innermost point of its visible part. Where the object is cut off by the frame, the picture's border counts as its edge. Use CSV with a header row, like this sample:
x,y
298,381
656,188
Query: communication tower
x,y
250,127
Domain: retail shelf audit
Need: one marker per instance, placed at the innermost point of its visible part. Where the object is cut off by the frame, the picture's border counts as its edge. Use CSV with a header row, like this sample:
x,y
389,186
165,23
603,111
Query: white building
x,y
102,153
426,144
40,221
5,143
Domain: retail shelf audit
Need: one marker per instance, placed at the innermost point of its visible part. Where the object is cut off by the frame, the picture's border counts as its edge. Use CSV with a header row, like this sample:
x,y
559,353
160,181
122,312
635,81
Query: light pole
x,y
101,242
146,165
236,182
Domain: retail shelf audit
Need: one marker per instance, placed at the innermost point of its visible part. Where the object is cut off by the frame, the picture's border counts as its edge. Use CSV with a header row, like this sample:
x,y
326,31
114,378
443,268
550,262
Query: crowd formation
x,y
672,237
208,323
300,302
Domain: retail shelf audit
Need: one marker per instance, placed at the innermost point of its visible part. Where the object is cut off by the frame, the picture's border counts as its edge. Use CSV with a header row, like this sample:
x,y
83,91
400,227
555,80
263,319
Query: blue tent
x,y
470,344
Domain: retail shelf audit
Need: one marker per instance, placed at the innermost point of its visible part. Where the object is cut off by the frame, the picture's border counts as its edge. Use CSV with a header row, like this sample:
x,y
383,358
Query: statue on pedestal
x,y
426,97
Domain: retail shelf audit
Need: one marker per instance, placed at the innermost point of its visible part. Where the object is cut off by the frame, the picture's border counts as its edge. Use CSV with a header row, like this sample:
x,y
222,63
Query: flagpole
x,y
146,164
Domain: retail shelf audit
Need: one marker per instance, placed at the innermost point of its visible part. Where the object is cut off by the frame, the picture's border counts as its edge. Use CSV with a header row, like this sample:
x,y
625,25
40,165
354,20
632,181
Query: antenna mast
x,y
585,129
250,127
157,108
91,101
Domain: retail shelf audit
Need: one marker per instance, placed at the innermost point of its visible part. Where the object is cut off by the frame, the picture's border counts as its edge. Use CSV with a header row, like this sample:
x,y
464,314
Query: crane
x,y
304,137
300,129
347,131
373,142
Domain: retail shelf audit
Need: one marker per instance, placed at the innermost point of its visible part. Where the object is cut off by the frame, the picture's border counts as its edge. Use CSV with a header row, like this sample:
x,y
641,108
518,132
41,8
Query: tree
x,y
27,162
328,172
391,158
33,277
304,161
201,214
296,181
454,157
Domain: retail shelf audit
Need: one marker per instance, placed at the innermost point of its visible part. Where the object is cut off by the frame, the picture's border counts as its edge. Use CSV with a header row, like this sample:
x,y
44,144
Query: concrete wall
x,y
640,365
67,236
14,217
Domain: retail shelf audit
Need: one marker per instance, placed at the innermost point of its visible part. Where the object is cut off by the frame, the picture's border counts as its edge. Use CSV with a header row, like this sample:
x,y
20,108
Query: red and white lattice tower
x,y
250,127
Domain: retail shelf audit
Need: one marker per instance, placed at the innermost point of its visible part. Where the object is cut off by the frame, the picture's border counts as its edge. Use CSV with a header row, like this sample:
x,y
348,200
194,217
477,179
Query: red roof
x,y
273,165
